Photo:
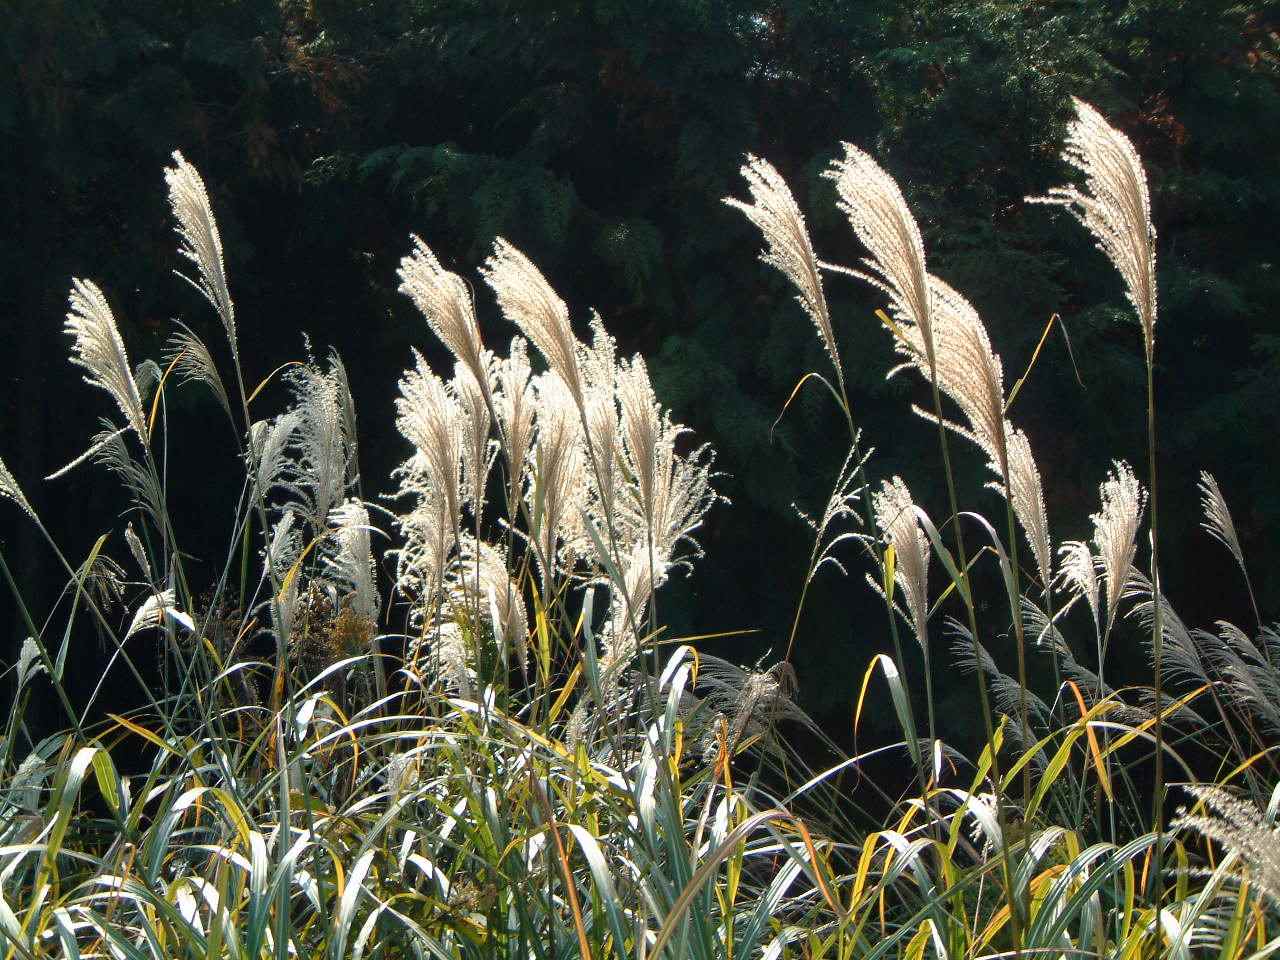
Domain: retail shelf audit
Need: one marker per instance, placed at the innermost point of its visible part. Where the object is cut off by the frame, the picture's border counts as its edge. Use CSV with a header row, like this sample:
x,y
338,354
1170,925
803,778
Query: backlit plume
x,y
1114,206
787,246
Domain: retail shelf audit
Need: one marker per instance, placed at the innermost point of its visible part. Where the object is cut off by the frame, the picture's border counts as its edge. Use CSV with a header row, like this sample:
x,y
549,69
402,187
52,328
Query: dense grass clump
x,y
447,722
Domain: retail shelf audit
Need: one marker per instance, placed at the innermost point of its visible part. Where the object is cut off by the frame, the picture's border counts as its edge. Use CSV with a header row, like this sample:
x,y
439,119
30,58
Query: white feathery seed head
x,y
1078,571
9,490
559,476
528,301
788,248
477,453
445,301
967,369
155,611
429,532
483,574
643,430
98,349
269,442
1115,529
319,471
895,515
1027,494
515,405
429,417
880,217
201,243
1217,517
1114,206
1240,828
191,361
350,562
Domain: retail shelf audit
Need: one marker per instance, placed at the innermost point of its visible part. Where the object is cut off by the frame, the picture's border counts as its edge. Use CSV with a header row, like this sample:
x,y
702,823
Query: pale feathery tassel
x,y
455,659
98,349
429,417
283,551
751,700
515,405
319,473
628,603
1240,828
201,243
682,497
642,429
670,493
944,336
347,404
1028,501
351,561
558,491
477,453
155,610
444,299
970,373
191,361
967,369
1115,207
788,248
285,545
139,552
428,531
528,301
895,514
1115,529
1217,517
482,571
9,490
600,371
268,450
1078,570
875,208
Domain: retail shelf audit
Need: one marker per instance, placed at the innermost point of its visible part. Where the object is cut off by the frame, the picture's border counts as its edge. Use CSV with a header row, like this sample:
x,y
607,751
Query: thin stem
x,y
1015,913
1157,632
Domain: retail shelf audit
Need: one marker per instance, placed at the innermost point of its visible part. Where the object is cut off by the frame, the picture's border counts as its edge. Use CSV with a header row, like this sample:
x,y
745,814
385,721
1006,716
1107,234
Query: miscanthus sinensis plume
x,y
483,575
528,301
317,472
477,449
558,486
878,213
776,214
603,428
514,405
1078,572
428,416
98,349
1115,531
10,490
350,561
670,492
895,514
1217,517
1114,206
191,361
939,333
445,301
200,241
429,532
1240,828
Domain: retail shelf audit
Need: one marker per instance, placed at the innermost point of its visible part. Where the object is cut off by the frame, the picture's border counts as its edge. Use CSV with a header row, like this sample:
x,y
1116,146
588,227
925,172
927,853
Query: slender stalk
x,y
1157,633
1015,909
